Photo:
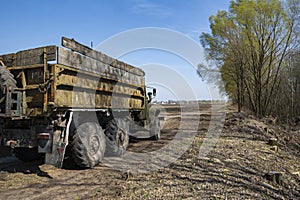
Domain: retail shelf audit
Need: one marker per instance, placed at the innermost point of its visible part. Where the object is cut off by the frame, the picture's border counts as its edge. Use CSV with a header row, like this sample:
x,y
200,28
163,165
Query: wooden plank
x,y
96,85
9,59
87,51
81,62
35,56
29,57
89,99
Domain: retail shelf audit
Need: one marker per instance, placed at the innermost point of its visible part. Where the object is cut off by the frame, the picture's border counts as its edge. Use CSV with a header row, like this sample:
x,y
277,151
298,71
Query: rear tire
x,y
117,138
27,154
88,145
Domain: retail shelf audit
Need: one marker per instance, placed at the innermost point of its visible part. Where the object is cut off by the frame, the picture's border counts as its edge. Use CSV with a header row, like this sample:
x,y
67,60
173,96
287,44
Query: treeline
x,y
255,47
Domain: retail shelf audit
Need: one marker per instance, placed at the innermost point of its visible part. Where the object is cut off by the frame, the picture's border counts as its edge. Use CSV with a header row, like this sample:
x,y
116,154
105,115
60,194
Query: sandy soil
x,y
234,169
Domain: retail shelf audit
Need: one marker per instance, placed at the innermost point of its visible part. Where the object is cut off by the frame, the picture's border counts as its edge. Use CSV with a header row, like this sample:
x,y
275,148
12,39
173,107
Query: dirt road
x,y
234,169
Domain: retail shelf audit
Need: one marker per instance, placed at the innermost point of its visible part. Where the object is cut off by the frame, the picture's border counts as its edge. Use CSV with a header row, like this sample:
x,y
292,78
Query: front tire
x,y
88,145
155,130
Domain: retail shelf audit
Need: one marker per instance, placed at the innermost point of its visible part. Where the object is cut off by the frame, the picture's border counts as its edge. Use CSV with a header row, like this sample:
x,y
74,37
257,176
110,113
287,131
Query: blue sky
x,y
33,23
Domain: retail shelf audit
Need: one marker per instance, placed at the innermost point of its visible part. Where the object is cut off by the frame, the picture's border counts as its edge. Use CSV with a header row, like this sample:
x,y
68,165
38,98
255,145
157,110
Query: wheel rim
x,y
94,144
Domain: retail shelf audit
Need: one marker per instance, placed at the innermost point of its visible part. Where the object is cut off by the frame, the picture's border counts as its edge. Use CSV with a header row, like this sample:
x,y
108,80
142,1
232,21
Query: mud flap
x,y
56,158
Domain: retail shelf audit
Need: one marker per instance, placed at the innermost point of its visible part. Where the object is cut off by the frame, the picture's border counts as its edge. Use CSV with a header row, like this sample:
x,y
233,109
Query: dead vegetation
x,y
234,169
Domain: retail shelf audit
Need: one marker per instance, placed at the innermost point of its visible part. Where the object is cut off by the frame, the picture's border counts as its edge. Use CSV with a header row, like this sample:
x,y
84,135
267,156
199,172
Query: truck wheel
x,y
27,154
88,145
117,138
155,129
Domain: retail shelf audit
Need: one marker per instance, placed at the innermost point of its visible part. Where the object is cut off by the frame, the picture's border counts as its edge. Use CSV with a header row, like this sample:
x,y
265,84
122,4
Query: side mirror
x,y
149,97
154,92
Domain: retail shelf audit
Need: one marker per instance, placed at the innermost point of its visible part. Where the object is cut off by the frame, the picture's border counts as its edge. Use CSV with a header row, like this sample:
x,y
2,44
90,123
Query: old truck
x,y
72,99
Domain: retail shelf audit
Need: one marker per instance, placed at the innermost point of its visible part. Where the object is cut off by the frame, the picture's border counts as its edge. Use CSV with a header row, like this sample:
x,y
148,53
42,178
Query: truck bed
x,y
51,77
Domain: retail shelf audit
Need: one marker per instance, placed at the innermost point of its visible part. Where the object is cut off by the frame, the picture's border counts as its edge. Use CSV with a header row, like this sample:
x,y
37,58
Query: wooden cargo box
x,y
51,78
